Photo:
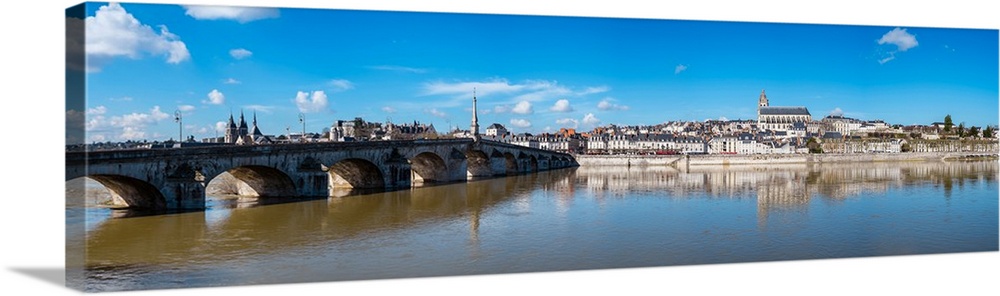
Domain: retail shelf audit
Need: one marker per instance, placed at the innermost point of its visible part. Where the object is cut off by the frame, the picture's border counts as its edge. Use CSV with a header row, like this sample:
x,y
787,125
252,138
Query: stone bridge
x,y
176,178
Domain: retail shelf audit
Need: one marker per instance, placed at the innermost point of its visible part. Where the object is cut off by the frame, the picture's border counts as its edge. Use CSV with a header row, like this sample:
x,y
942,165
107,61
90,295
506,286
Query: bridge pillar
x,y
498,165
458,166
543,163
186,195
523,163
311,178
184,188
397,172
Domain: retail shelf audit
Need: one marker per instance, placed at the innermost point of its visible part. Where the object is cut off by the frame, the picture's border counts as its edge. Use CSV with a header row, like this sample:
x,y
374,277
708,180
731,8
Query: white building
x,y
779,118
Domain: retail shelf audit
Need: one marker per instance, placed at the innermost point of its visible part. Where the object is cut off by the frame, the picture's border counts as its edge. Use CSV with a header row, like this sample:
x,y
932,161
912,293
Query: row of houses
x,y
768,142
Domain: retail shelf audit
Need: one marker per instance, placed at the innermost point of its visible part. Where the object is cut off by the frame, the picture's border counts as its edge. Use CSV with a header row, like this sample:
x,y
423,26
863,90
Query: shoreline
x,y
770,159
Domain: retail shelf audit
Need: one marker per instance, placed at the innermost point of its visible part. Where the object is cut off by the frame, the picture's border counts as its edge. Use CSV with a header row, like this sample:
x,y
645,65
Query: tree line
x,y
962,132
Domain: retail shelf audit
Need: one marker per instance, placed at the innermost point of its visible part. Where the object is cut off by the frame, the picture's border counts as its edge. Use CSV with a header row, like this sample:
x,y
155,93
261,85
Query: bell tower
x,y
762,102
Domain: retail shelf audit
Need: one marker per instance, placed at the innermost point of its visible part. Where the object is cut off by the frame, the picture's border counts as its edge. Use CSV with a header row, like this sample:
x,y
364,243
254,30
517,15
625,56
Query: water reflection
x,y
783,187
229,231
783,182
582,218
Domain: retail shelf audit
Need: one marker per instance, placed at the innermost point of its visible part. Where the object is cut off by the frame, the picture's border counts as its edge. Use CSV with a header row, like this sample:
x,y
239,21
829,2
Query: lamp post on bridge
x,y
302,119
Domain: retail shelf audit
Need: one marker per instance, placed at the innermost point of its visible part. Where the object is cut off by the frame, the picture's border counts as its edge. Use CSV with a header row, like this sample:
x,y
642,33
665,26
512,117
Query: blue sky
x,y
532,74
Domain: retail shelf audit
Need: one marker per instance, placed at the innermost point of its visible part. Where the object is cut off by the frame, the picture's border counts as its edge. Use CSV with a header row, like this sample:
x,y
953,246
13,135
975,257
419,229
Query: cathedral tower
x,y
762,102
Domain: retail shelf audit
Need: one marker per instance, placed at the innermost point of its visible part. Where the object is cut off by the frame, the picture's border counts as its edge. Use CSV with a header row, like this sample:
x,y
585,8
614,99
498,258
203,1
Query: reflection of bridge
x,y
295,228
176,178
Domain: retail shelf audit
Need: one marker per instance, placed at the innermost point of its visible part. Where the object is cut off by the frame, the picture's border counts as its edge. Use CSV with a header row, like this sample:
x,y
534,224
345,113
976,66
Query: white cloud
x,y
130,126
606,104
723,118
96,123
900,38
538,90
521,123
837,112
501,109
388,109
568,122
523,107
591,119
215,97
399,69
122,99
113,32
436,113
593,90
239,14
562,106
231,81
221,126
497,89
240,53
679,69
465,89
261,108
311,103
341,84
99,110
185,108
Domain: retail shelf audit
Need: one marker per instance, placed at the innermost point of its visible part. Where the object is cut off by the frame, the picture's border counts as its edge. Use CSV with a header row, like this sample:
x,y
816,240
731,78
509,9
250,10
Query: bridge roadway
x,y
176,178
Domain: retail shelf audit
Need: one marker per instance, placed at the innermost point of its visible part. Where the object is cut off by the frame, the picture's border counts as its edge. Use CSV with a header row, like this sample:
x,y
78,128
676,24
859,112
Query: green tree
x,y
905,147
988,132
961,130
814,147
947,123
973,131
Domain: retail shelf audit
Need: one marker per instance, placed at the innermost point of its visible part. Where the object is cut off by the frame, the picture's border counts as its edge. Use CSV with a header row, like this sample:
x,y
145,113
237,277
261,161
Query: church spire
x,y
232,124
243,122
475,116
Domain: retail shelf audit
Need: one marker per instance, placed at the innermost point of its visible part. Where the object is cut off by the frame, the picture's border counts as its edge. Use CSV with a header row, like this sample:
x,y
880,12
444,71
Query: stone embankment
x,y
769,159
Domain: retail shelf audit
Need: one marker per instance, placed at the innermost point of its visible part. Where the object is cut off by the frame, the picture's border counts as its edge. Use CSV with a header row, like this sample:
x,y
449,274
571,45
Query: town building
x,y
496,130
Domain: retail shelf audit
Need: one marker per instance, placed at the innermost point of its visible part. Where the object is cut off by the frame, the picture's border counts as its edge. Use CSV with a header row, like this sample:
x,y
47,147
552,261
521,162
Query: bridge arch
x,y
428,167
478,163
533,164
511,163
131,192
356,173
253,180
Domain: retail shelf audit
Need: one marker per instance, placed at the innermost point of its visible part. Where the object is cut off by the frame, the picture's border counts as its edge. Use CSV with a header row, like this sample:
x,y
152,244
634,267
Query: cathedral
x,y
239,135
779,118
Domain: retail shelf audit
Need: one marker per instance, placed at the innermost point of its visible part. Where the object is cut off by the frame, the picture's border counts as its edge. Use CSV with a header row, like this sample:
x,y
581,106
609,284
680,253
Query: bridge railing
x,y
79,157
509,145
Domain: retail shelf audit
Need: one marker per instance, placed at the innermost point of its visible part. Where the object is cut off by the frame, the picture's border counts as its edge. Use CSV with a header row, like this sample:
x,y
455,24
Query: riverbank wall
x,y
771,159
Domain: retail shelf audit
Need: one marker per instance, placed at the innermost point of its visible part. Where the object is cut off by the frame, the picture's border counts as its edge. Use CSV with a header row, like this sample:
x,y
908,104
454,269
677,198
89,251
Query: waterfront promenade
x,y
766,159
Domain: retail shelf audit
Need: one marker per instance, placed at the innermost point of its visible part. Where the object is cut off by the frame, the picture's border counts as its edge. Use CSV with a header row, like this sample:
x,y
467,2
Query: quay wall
x,y
628,160
769,159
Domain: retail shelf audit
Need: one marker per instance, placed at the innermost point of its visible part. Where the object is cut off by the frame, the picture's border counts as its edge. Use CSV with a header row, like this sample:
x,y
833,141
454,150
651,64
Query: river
x,y
570,219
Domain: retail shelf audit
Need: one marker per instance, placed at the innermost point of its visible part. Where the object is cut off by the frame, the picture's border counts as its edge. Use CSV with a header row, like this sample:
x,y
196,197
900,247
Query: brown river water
x,y
570,219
